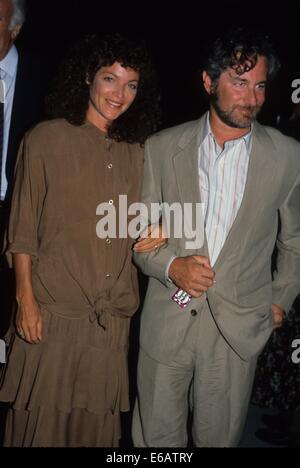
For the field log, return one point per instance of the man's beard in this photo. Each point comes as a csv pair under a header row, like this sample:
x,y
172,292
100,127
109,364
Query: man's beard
x,y
229,118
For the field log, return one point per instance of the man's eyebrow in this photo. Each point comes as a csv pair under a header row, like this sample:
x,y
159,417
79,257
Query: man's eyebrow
x,y
262,82
244,80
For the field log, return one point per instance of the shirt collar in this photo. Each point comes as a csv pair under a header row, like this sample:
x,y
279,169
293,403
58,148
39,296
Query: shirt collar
x,y
208,131
10,62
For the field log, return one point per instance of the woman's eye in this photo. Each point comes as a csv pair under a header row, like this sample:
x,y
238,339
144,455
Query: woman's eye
x,y
133,86
108,78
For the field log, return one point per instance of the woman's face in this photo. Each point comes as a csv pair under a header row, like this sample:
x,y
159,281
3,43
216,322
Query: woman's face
x,y
112,92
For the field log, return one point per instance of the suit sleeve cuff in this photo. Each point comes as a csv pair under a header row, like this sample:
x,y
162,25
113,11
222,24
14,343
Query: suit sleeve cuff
x,y
168,279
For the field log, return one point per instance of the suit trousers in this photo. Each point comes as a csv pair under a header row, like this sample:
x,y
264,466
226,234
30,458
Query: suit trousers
x,y
205,374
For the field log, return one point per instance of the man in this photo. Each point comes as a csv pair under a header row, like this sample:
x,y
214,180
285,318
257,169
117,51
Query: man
x,y
248,179
24,85
21,107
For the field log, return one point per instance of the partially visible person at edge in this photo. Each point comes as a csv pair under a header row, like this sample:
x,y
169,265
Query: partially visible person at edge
x,y
26,77
66,376
248,178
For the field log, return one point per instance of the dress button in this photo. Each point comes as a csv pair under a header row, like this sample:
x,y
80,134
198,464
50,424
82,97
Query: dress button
x,y
194,313
108,241
107,276
109,166
111,202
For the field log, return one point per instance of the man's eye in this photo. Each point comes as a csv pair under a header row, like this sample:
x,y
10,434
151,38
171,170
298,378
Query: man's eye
x,y
108,78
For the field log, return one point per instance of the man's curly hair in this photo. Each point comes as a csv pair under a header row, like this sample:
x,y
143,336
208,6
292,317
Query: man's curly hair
x,y
239,48
69,98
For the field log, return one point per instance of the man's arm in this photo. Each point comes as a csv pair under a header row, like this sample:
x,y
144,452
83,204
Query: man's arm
x,y
286,284
154,263
191,273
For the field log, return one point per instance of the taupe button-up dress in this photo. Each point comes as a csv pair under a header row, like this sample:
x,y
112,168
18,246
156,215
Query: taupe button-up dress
x,y
86,287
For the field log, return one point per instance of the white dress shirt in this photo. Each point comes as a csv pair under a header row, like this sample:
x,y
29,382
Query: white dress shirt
x,y
8,70
222,177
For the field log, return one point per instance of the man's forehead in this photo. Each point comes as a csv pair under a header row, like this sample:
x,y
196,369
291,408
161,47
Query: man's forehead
x,y
6,6
233,74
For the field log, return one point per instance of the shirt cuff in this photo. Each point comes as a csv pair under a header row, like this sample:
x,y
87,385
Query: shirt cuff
x,y
168,267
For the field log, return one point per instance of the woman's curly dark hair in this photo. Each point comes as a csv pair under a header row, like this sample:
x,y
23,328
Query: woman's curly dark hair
x,y
239,48
70,96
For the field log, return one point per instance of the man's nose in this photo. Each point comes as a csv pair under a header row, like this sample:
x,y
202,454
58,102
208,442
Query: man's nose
x,y
252,97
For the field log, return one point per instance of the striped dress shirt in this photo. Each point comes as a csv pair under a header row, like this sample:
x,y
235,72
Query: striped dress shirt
x,y
8,67
222,177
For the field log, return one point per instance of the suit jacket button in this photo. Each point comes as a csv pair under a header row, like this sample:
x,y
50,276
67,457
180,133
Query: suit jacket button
x,y
194,312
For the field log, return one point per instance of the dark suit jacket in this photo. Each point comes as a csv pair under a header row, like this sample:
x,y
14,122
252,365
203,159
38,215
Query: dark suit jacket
x,y
33,76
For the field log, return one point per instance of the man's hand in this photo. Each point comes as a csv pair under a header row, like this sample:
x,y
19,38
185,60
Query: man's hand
x,y
29,320
278,316
152,238
192,274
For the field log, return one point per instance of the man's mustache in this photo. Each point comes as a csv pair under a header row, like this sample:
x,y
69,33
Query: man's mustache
x,y
251,109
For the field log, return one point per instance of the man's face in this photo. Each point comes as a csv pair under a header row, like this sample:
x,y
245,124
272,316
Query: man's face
x,y
6,36
237,99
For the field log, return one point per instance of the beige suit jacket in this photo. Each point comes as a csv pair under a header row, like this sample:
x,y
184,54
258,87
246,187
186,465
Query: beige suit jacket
x,y
241,299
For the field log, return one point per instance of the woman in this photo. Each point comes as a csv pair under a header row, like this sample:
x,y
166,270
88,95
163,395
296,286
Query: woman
x,y
67,372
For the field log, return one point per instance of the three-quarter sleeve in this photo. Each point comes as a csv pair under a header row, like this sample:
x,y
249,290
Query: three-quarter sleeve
x,y
28,198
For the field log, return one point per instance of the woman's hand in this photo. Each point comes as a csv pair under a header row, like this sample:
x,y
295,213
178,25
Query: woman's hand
x,y
29,320
152,238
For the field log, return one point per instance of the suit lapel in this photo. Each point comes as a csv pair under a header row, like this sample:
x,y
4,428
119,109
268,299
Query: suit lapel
x,y
258,183
32,80
186,165
19,109
187,173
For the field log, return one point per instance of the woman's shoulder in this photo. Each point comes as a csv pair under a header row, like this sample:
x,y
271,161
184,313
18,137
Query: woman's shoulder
x,y
50,128
48,140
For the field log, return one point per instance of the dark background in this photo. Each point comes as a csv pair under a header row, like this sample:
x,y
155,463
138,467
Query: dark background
x,y
176,34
